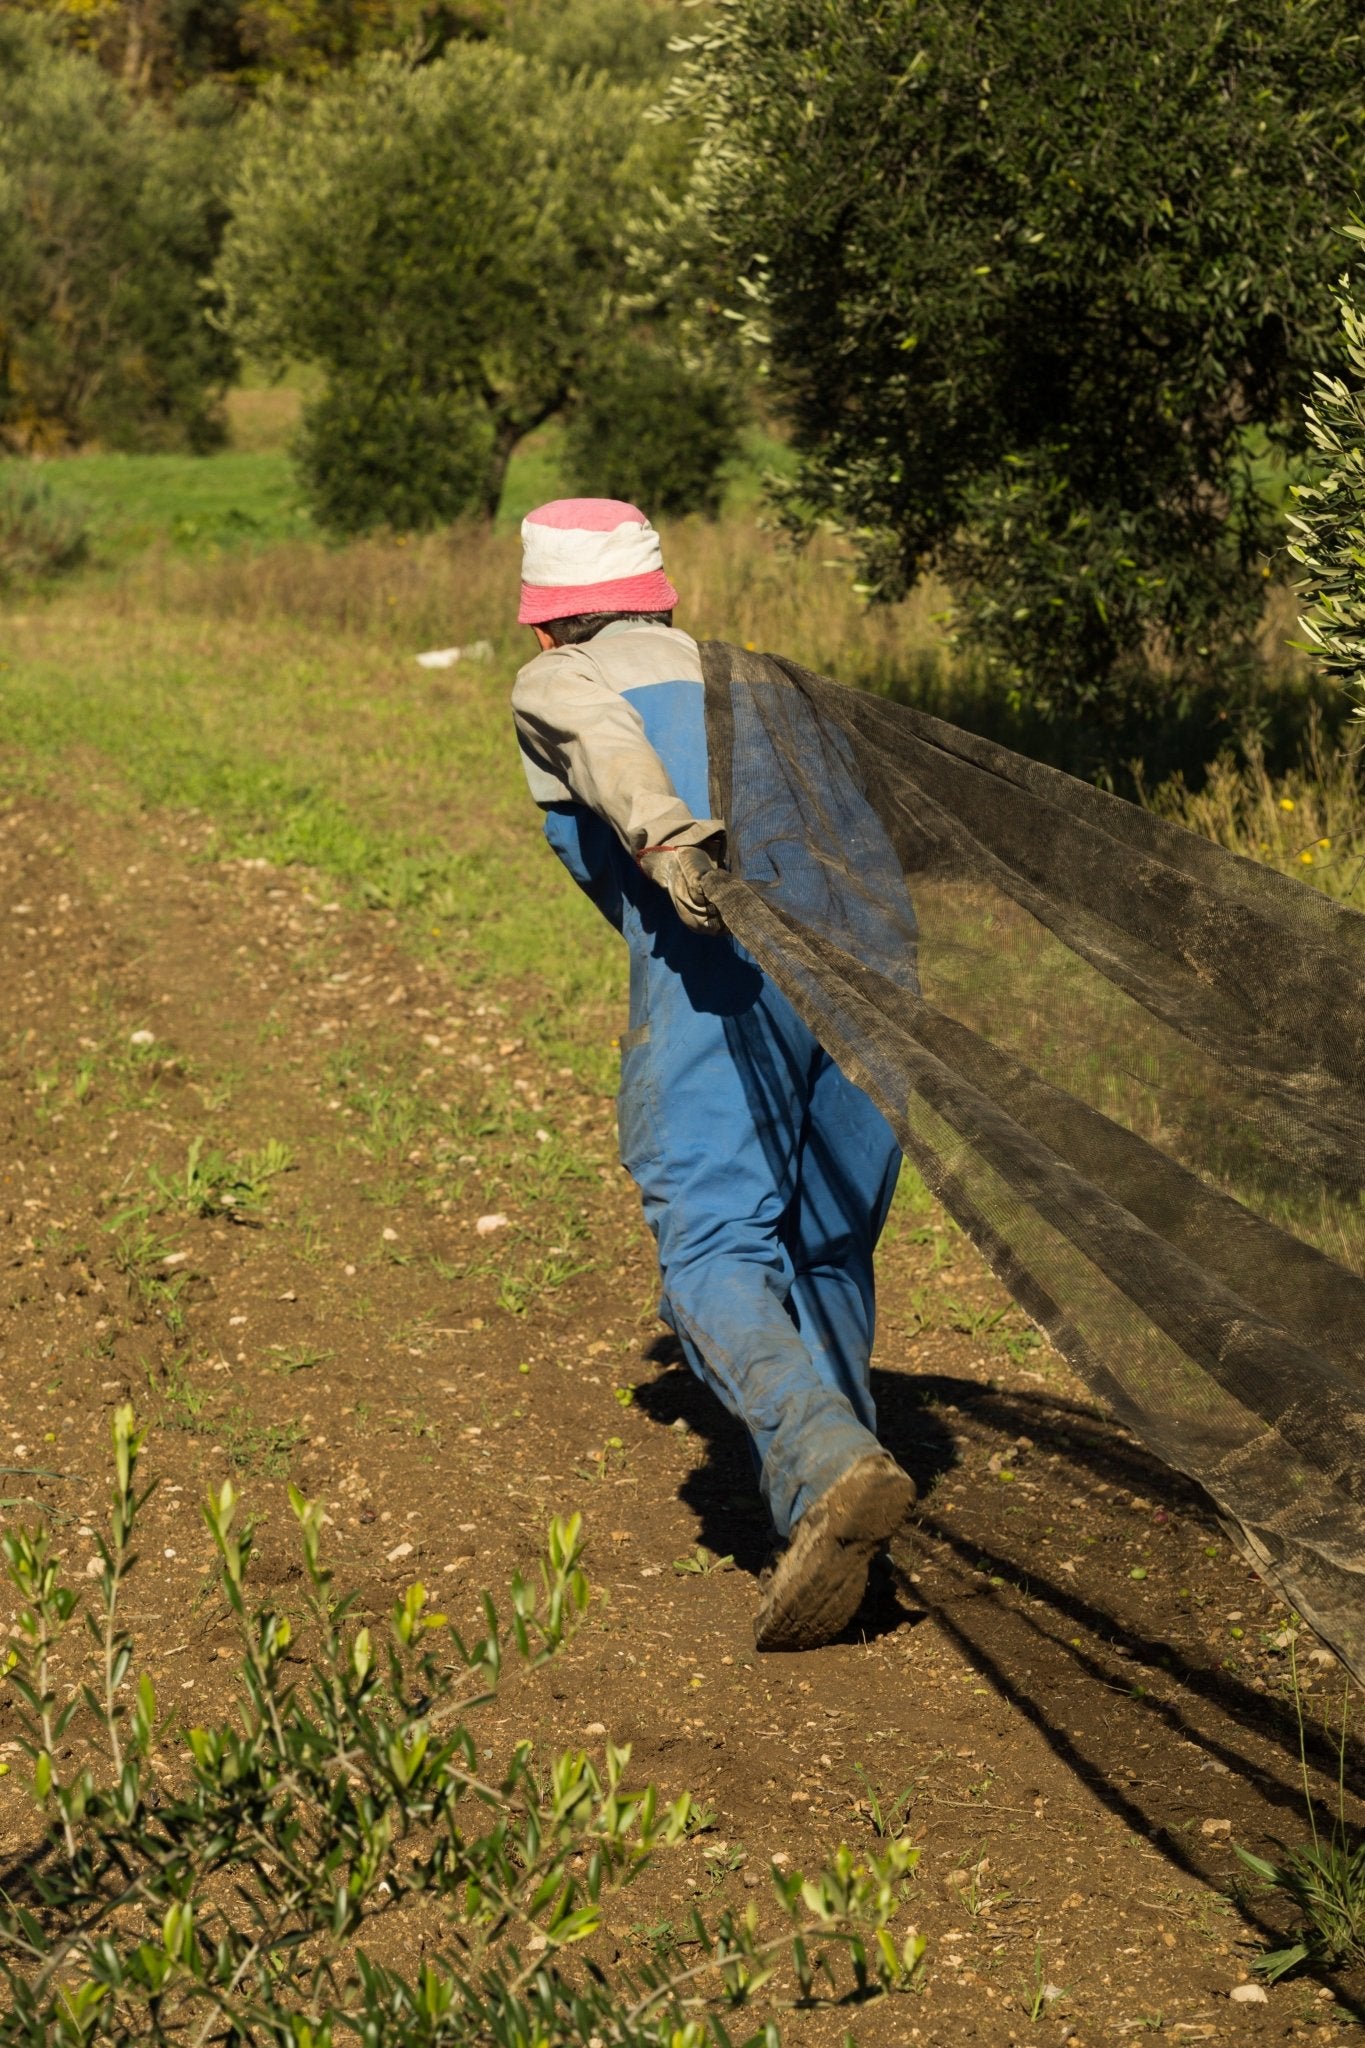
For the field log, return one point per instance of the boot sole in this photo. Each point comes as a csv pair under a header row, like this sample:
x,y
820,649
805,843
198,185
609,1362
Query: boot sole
x,y
821,1577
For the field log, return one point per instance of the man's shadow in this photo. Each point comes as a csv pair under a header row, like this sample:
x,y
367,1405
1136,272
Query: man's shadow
x,y
1057,1651
723,1492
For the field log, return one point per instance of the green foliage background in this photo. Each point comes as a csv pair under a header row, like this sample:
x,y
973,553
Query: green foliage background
x,y
1039,291
1057,364
162,46
652,428
110,213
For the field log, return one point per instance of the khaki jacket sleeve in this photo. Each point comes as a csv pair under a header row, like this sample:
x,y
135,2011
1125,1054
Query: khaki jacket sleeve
x,y
589,739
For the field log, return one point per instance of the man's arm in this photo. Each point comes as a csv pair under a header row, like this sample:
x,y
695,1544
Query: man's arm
x,y
586,735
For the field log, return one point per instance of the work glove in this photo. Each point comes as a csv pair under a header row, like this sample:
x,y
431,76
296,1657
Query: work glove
x,y
682,871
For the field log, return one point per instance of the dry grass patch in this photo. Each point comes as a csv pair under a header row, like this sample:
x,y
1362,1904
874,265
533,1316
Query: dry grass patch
x,y
738,582
1309,823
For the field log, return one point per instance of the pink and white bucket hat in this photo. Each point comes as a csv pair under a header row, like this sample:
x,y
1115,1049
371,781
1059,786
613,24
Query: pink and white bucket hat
x,y
590,555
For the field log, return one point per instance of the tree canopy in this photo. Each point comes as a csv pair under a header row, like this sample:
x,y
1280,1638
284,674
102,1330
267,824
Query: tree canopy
x,y
442,242
624,39
110,213
1039,290
163,46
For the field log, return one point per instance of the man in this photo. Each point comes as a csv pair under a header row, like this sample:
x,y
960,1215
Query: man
x,y
765,1175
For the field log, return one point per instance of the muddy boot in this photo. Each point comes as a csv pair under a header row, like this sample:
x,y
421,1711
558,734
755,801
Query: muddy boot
x,y
814,1589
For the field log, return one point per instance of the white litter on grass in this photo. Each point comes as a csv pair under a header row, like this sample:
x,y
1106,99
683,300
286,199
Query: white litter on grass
x,y
446,657
142,1038
486,1225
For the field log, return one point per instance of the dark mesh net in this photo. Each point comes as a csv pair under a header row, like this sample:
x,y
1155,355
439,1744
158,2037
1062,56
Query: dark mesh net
x,y
1128,1062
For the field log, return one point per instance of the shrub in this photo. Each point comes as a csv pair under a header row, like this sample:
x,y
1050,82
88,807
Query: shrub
x,y
40,533
401,458
110,213
226,1891
652,430
1325,1883
1058,357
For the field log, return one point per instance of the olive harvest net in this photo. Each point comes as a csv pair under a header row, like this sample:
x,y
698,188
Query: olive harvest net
x,y
1129,1063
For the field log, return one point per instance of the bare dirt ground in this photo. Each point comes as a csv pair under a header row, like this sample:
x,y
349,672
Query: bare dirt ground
x,y
1069,1681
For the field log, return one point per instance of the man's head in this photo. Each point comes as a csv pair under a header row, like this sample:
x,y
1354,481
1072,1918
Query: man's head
x,y
587,562
587,625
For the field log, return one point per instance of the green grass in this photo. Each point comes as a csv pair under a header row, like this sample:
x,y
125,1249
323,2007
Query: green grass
x,y
409,805
760,454
272,689
183,501
533,475
248,494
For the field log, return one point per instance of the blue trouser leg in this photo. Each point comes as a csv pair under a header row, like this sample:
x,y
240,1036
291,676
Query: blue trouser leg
x,y
765,1215
848,1168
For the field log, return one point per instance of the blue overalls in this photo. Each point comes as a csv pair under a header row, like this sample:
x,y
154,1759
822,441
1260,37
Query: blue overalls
x,y
766,1176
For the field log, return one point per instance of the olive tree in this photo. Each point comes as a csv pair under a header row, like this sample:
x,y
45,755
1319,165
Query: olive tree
x,y
1040,291
110,215
441,241
1328,526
